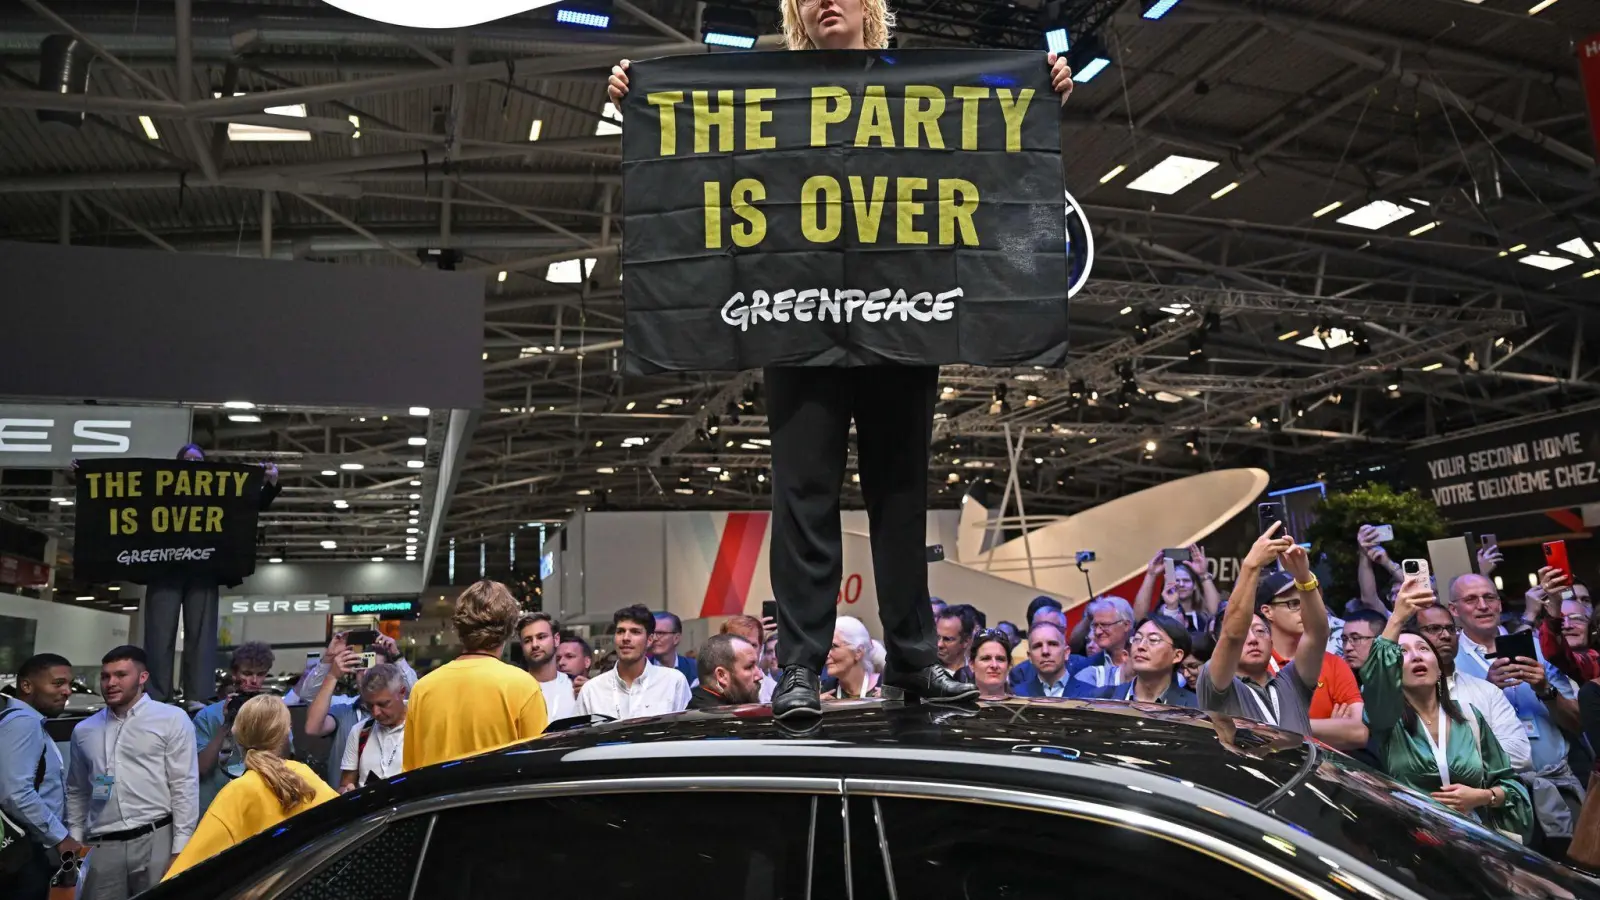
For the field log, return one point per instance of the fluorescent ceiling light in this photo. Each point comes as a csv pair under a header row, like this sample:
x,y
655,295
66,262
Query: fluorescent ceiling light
x,y
416,483
1433,367
1375,215
1327,209
1107,177
417,441
149,128
566,271
609,117
244,417
414,463
86,598
1591,273
1540,7
113,587
238,404
1422,229
1518,248
584,492
1337,337
724,39
534,130
1577,248
412,531
434,14
129,608
377,559
1224,191
583,17
241,131
1055,40
1159,8
420,410
1091,69
330,545
275,559
352,467
1545,261
1172,175
416,496
606,470
411,540
341,504
355,121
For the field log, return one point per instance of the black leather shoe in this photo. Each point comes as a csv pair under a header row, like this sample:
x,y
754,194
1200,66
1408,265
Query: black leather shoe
x,y
796,694
932,683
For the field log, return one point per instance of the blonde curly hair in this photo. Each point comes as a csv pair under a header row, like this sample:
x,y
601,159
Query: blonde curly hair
x,y
877,21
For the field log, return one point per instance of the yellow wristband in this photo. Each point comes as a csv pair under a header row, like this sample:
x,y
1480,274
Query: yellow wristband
x,y
1308,586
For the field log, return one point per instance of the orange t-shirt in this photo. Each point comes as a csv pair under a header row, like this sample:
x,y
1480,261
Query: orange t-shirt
x,y
1337,684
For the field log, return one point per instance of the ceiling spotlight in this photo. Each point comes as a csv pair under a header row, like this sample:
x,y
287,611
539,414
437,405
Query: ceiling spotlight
x,y
416,483
238,404
414,464
330,545
1197,346
417,441
416,497
352,467
411,540
1359,340
420,410
329,473
1149,446
275,559
1392,385
377,559
999,405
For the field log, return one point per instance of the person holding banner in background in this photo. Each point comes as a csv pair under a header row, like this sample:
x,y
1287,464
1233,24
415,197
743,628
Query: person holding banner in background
x,y
810,410
196,596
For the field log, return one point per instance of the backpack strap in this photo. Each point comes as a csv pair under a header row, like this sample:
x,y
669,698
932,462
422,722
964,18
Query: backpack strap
x,y
38,770
361,739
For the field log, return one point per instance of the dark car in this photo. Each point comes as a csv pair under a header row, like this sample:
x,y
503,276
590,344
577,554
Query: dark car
x,y
1040,799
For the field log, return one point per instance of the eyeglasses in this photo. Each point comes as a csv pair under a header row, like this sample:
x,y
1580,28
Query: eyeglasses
x,y
1105,626
1359,639
1479,599
1575,620
1438,630
1292,604
1148,640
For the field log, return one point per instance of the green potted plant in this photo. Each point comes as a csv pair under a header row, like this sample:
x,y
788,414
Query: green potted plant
x,y
1340,515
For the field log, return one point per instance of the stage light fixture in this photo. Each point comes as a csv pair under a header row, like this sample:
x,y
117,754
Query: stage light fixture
x,y
1088,58
1155,9
1392,385
1147,320
723,26
592,14
1197,346
1359,340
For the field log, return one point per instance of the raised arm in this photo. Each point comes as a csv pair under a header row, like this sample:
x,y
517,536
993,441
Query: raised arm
x,y
1313,647
1235,626
1208,582
1144,600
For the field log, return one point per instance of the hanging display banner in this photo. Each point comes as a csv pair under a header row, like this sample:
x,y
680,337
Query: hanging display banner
x,y
51,437
1589,68
844,208
1523,469
138,519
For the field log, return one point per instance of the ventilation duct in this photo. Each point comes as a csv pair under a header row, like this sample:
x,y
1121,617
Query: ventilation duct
x,y
63,69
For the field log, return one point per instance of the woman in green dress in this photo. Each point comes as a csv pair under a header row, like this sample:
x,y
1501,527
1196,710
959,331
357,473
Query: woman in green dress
x,y
1424,739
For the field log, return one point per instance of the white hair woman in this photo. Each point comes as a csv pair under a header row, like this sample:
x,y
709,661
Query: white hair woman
x,y
850,661
809,413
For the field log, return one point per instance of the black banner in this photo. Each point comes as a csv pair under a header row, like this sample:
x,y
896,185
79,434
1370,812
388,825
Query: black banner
x,y
1530,468
843,208
138,519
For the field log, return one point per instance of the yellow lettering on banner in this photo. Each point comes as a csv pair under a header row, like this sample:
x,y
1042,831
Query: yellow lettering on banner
x,y
158,520
907,208
755,116
214,519
958,200
1013,111
666,104
181,488
969,97
163,481
753,230
830,105
93,479
868,210
922,119
243,479
202,482
706,118
713,197
823,228
873,124
129,521
133,484
114,484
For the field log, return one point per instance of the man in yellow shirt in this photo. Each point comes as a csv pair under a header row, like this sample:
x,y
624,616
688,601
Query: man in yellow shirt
x,y
476,702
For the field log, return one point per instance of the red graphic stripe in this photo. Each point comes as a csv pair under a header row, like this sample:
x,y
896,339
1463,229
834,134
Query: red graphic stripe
x,y
1567,519
737,552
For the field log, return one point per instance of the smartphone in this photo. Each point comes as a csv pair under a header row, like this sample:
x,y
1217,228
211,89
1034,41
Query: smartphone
x,y
1177,554
1384,533
1555,555
1513,645
935,553
1415,568
769,610
1267,513
1487,540
354,639
368,660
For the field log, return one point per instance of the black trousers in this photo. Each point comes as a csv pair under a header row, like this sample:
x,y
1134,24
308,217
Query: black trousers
x,y
809,412
33,881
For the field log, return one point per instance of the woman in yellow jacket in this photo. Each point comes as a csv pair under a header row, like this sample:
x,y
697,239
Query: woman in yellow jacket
x,y
272,788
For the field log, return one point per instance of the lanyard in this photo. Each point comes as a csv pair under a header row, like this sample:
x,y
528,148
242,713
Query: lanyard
x,y
1268,715
1440,747
379,732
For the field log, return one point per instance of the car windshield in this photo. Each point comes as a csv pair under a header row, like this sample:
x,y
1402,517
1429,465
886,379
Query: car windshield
x,y
1420,844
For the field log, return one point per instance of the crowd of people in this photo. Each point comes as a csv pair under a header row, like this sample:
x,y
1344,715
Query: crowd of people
x,y
1432,688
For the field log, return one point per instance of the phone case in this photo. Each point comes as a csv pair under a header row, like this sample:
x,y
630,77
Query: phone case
x,y
1555,554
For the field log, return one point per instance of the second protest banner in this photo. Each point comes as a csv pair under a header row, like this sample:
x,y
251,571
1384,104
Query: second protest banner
x,y
838,208
139,519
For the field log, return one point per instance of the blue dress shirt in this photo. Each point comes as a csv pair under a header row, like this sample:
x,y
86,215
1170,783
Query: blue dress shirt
x,y
22,741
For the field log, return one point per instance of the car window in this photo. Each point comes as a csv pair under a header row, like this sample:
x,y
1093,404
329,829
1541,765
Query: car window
x,y
721,845
942,849
381,867
1417,842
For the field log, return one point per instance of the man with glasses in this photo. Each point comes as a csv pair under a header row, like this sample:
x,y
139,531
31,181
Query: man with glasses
x,y
1110,624
1336,706
664,648
1545,702
1360,630
1438,628
1562,622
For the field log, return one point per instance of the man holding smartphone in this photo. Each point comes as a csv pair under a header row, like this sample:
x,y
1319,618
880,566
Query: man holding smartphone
x,y
1545,701
219,760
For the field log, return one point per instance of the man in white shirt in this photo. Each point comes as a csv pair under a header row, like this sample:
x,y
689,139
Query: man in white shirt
x,y
373,750
133,785
540,634
634,688
1438,628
